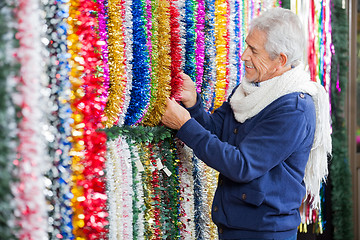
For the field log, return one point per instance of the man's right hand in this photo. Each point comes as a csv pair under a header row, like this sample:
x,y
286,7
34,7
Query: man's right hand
x,y
188,91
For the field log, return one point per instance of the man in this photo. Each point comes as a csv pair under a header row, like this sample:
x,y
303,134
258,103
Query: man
x,y
274,126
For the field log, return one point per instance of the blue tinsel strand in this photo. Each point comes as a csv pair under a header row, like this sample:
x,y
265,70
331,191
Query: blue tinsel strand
x,y
207,92
140,92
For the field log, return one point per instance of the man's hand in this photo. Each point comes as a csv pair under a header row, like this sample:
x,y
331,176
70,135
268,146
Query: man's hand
x,y
188,91
175,115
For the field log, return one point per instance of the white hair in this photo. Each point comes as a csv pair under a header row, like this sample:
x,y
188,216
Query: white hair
x,y
284,34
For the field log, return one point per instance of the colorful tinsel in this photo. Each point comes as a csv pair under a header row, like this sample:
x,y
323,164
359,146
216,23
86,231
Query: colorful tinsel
x,y
222,50
175,49
161,63
116,61
31,160
127,54
59,175
89,202
140,92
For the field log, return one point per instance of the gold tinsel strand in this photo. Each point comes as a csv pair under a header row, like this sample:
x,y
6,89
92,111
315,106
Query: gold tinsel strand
x,y
221,33
117,71
157,107
148,191
76,138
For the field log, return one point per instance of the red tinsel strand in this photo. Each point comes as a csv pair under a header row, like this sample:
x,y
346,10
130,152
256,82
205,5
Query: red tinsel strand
x,y
175,51
155,182
91,107
311,43
227,46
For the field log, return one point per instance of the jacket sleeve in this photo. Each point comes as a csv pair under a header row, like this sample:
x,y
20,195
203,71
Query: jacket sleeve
x,y
271,141
212,122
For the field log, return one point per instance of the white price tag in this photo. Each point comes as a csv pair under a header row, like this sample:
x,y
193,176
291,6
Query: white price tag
x,y
167,171
139,166
159,164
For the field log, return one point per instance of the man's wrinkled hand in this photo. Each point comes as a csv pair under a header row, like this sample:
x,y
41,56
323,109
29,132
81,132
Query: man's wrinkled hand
x,y
175,115
188,91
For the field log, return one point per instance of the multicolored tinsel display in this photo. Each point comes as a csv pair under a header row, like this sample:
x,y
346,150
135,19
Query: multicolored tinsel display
x,y
59,176
89,144
92,161
319,48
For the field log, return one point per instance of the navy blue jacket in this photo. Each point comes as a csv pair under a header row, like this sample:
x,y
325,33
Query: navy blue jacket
x,y
261,164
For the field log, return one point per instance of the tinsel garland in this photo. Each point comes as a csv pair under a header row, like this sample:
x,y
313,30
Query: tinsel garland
x,y
76,138
171,185
186,207
311,43
152,24
200,48
233,45
119,191
113,182
140,92
174,210
238,43
222,51
103,38
31,160
190,61
182,28
319,61
340,176
59,192
175,49
128,40
199,197
160,88
208,86
160,180
116,61
243,33
138,192
125,181
155,181
211,184
8,71
149,26
89,202
149,215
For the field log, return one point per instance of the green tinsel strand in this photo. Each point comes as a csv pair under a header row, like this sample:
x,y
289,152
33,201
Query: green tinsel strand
x,y
171,189
147,192
135,197
140,134
8,67
341,194
285,4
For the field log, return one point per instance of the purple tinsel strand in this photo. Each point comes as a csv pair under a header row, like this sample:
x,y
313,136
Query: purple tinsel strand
x,y
104,47
199,51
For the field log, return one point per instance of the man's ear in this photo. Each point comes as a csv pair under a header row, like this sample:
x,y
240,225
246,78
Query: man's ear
x,y
282,59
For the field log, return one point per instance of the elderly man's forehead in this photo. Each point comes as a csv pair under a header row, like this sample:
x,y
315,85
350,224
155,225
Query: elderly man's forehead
x,y
255,37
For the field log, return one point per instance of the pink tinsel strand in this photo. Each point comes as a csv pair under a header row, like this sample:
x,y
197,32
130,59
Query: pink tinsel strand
x,y
104,47
200,47
29,200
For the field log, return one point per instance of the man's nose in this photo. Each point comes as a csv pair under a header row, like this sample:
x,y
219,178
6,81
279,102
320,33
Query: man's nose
x,y
245,55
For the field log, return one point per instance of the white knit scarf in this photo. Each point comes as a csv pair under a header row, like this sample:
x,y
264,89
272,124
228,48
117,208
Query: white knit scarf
x,y
248,100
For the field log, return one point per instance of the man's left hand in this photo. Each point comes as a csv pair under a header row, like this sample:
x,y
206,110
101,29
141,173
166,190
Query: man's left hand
x,y
175,115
